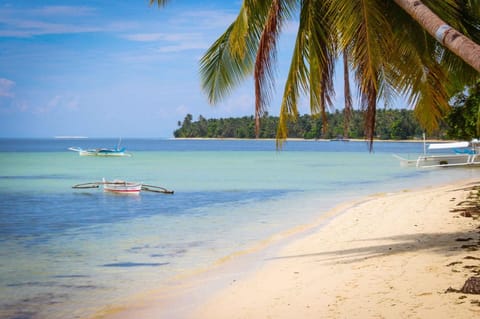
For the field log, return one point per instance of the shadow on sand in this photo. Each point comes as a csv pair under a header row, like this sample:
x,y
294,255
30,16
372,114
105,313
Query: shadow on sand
x,y
440,243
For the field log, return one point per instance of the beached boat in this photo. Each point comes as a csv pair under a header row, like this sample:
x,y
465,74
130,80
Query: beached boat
x,y
123,187
446,155
100,151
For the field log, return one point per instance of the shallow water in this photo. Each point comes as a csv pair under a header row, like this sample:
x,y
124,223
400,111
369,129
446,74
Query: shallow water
x,y
68,253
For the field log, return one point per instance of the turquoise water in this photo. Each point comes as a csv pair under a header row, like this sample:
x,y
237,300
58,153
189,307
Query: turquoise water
x,y
67,253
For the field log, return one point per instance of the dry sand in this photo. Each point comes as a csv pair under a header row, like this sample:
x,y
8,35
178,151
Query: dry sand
x,y
391,256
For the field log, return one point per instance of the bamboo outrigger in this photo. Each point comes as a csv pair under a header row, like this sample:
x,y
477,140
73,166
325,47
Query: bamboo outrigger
x,y
123,187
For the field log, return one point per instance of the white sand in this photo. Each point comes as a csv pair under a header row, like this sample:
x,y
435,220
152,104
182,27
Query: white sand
x,y
387,257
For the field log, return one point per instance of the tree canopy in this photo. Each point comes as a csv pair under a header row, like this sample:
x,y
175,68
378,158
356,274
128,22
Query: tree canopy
x,y
463,120
390,47
391,125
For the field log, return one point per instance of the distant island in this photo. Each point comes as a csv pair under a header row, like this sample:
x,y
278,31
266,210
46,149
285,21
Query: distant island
x,y
391,124
70,137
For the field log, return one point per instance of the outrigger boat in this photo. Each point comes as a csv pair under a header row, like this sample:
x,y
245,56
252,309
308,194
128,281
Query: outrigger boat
x,y
117,151
100,151
123,187
464,154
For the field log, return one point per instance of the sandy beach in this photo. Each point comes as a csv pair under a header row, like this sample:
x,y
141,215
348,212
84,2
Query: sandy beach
x,y
387,256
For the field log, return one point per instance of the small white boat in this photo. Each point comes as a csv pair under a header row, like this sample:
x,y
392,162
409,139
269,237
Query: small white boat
x,y
112,152
100,151
121,187
436,155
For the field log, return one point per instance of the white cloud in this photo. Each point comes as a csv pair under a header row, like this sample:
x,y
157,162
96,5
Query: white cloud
x,y
182,110
22,106
29,28
64,10
145,37
155,37
237,105
6,87
25,23
171,42
208,19
183,47
64,19
49,106
70,103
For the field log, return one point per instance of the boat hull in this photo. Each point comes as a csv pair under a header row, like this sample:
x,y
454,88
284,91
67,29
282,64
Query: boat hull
x,y
427,161
100,153
122,187
447,160
104,152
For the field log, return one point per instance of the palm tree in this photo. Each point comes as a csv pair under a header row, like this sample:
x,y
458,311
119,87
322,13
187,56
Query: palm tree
x,y
389,54
348,108
455,41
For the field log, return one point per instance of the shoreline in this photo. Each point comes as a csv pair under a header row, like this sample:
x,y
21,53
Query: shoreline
x,y
293,139
359,257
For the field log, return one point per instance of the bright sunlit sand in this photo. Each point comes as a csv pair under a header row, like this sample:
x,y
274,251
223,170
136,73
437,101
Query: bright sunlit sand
x,y
391,256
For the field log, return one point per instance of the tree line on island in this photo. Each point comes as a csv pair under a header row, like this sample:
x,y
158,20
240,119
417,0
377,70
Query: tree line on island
x,y
392,124
461,122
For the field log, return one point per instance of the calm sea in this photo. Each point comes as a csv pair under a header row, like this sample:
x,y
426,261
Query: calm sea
x,y
66,253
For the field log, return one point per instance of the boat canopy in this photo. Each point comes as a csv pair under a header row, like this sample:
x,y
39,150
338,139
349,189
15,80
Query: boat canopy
x,y
442,146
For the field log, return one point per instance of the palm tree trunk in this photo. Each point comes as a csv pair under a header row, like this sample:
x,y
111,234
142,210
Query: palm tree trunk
x,y
347,111
453,40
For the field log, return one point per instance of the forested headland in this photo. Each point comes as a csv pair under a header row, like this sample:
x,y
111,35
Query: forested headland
x,y
462,122
390,125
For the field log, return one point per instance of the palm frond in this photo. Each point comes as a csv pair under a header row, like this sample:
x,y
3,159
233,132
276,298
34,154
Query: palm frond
x,y
420,77
248,24
220,71
278,11
426,72
311,69
432,103
297,79
387,51
322,54
231,57
366,31
473,6
464,16
266,57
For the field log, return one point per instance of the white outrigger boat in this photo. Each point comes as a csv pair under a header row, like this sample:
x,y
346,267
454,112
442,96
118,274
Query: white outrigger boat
x,y
123,187
461,154
100,151
117,151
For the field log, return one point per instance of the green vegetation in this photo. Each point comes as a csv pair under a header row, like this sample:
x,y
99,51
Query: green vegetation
x,y
391,124
389,47
386,45
464,119
462,122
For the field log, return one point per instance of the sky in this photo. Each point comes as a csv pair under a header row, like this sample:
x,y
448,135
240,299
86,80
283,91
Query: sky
x,y
105,68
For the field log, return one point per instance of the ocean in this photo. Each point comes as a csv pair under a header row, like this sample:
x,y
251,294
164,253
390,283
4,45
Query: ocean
x,y
67,253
